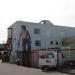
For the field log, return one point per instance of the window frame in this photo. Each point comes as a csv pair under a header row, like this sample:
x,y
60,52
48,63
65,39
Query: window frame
x,y
36,30
37,42
51,42
57,42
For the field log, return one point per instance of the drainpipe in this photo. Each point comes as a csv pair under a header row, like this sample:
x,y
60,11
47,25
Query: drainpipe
x,y
11,37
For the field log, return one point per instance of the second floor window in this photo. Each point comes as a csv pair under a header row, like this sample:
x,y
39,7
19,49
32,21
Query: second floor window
x,y
37,31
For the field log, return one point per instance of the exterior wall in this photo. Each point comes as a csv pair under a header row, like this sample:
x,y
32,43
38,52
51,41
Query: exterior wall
x,y
48,32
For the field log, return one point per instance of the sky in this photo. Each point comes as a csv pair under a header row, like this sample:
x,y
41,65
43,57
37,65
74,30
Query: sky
x,y
59,12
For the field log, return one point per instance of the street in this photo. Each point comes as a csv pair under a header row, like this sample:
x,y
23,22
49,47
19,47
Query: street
x,y
10,69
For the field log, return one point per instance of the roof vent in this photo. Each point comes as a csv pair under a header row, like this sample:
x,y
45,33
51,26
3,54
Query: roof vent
x,y
45,22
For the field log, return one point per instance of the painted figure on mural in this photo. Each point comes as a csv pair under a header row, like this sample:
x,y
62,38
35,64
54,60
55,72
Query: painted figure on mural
x,y
26,39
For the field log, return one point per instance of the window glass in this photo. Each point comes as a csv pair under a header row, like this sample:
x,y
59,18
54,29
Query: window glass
x,y
37,31
48,56
37,43
62,42
42,56
51,42
56,42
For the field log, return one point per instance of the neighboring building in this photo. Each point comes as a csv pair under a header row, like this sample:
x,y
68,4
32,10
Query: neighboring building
x,y
43,35
68,48
2,47
69,41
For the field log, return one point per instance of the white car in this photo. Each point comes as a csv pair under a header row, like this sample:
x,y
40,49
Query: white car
x,y
49,59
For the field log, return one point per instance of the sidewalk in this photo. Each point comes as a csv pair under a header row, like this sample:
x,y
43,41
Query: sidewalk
x,y
72,71
67,70
11,69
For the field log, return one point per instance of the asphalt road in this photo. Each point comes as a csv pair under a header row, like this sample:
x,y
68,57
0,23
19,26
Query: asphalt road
x,y
10,69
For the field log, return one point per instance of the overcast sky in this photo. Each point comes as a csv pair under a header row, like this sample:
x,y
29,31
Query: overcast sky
x,y
59,12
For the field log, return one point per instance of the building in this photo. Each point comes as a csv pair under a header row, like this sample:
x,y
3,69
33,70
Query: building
x,y
43,35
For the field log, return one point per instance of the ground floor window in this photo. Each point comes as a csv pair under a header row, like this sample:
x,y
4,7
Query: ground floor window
x,y
37,43
51,42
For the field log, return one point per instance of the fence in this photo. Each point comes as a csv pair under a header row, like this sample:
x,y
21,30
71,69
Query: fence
x,y
68,54
31,59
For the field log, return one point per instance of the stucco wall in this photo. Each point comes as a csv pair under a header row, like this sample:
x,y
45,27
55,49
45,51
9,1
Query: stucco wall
x,y
48,32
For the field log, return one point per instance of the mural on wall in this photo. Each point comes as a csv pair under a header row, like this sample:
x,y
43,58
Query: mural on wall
x,y
26,38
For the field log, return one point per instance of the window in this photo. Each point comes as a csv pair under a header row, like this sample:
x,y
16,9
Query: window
x,y
48,56
43,22
42,56
37,31
37,43
56,42
62,42
51,42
